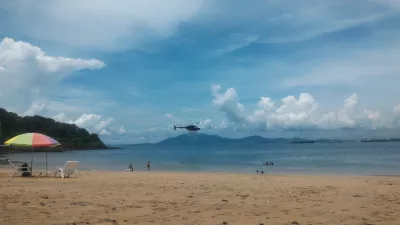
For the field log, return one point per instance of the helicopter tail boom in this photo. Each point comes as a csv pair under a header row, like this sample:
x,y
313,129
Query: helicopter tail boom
x,y
178,127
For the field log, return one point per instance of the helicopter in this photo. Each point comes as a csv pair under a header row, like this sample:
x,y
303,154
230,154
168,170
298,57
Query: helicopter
x,y
191,128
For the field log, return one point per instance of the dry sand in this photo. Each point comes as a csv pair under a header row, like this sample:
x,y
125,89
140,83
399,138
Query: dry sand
x,y
194,198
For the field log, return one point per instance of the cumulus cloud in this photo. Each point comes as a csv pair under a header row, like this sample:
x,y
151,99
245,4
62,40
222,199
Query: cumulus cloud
x,y
28,74
121,130
373,115
60,117
228,102
94,123
294,112
36,108
207,124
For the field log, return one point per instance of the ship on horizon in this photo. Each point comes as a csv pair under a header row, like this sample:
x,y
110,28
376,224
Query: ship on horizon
x,y
302,141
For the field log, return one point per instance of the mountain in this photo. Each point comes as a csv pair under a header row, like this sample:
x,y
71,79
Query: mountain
x,y
69,135
215,140
201,139
195,139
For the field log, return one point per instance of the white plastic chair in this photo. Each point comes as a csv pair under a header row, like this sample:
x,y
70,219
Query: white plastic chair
x,y
69,169
18,169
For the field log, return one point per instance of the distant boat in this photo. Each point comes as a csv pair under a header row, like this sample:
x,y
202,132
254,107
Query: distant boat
x,y
335,141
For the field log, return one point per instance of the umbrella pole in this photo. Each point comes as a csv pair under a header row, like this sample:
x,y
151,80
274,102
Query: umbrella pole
x,y
32,163
46,164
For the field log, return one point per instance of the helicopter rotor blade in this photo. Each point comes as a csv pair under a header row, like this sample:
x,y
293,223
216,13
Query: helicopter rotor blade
x,y
200,122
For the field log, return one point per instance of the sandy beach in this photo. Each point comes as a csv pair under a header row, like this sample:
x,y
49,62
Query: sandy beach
x,y
195,198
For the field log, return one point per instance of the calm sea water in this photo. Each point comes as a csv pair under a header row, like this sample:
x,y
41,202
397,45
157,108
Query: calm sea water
x,y
319,158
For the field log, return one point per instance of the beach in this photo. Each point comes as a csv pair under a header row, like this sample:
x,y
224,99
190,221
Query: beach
x,y
101,197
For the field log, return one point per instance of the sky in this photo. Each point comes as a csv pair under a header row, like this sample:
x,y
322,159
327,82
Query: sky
x,y
130,69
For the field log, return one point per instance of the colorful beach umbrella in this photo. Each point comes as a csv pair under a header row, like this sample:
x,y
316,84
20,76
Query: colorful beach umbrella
x,y
33,140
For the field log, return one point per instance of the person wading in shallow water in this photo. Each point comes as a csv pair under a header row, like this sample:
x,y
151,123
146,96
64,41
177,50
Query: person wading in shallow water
x,y
148,165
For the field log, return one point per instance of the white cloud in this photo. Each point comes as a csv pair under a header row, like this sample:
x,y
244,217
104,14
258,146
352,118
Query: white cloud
x,y
28,74
36,108
228,102
266,104
104,132
295,113
238,43
373,115
121,130
60,117
99,24
94,123
117,129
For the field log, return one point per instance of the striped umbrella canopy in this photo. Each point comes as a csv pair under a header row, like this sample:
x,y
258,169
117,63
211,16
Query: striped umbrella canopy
x,y
33,140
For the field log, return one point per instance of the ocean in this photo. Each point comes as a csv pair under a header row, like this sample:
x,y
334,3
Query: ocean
x,y
352,158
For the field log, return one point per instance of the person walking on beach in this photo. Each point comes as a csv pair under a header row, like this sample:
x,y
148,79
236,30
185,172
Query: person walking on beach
x,y
148,165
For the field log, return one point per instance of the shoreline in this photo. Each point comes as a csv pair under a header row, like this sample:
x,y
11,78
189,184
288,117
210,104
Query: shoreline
x,y
267,172
242,173
108,197
7,150
195,173
223,173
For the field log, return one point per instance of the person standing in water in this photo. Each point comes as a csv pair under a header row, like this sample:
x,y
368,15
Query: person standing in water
x,y
148,165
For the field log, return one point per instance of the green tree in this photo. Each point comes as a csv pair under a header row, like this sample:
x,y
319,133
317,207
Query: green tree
x,y
69,135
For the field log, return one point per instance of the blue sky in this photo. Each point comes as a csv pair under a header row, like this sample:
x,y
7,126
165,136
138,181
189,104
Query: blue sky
x,y
128,70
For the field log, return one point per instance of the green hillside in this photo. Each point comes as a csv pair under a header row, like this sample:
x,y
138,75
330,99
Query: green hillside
x,y
69,135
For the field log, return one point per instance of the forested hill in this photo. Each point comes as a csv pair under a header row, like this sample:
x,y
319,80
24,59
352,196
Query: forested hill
x,y
69,135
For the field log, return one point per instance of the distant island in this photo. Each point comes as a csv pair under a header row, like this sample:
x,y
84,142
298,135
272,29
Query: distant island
x,y
70,136
380,140
207,140
215,140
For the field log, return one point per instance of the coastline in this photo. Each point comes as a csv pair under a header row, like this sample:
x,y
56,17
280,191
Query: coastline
x,y
6,149
108,197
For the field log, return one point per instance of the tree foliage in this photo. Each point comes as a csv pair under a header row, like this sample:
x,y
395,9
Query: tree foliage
x,y
69,135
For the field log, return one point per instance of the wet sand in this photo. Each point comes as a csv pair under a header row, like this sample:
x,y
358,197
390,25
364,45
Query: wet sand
x,y
196,198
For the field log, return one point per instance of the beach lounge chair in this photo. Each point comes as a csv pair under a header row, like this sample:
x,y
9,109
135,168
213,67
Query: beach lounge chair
x,y
24,170
130,168
69,169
